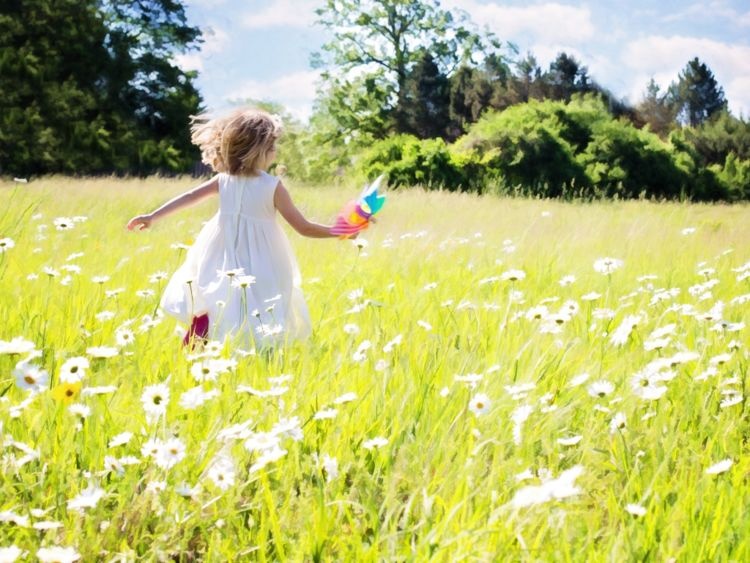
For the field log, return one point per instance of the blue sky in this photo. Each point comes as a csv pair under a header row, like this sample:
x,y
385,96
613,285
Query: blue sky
x,y
261,49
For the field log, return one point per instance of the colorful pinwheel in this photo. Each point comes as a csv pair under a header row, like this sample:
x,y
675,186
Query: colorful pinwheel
x,y
355,216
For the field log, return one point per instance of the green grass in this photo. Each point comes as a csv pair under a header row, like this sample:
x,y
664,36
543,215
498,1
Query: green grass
x,y
443,487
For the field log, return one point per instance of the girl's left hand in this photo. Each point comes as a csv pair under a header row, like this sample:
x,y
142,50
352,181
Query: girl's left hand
x,y
140,222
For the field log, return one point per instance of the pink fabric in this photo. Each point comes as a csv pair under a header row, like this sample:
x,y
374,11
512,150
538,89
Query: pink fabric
x,y
198,329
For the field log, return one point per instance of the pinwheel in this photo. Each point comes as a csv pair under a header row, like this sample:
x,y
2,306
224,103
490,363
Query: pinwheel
x,y
355,215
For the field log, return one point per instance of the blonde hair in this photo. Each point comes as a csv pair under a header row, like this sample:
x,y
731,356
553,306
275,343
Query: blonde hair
x,y
237,143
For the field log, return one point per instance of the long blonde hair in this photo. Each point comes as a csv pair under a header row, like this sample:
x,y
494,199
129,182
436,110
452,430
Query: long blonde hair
x,y
238,143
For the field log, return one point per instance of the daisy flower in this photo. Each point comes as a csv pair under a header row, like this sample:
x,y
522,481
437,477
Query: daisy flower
x,y
74,369
30,377
479,404
170,453
155,399
607,265
57,554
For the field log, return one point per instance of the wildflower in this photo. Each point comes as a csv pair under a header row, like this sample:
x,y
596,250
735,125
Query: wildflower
x,y
519,416
268,456
592,296
221,472
345,398
388,348
513,275
170,453
186,491
579,380
124,336
259,441
120,439
195,397
600,389
607,265
102,351
13,518
330,467
360,354
567,280
479,404
155,399
63,223
80,410
621,333
66,391
158,277
325,414
6,244
571,441
360,243
18,346
687,231
113,465
87,498
618,423
351,329
635,509
243,282
151,447
288,427
425,325
57,554
731,398
100,279
562,487
30,377
74,369
720,467
377,442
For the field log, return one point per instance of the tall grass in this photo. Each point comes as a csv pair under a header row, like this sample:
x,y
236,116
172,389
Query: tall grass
x,y
470,404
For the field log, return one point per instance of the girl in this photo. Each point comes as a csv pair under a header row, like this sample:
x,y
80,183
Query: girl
x,y
240,276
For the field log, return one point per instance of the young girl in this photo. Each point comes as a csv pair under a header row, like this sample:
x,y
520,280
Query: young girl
x,y
240,276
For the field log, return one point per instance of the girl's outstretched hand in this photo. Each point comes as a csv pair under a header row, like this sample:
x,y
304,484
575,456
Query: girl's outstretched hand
x,y
140,222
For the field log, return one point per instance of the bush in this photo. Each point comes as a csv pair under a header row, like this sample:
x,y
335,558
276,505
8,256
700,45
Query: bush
x,y
408,161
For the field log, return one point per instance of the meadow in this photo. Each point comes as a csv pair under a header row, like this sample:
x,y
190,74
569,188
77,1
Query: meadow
x,y
488,379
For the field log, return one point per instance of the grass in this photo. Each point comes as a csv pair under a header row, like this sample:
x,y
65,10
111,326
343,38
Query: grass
x,y
446,484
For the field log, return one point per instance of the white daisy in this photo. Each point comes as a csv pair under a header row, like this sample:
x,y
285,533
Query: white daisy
x,y
171,452
30,377
720,467
479,404
377,442
74,369
57,554
155,399
87,498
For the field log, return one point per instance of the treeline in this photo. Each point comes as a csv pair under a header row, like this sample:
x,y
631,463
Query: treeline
x,y
417,93
408,89
89,87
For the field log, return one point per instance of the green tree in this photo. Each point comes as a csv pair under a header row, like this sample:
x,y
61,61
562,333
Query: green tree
x,y
655,110
88,87
426,100
696,95
390,35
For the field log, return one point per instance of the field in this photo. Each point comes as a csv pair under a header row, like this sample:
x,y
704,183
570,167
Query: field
x,y
488,379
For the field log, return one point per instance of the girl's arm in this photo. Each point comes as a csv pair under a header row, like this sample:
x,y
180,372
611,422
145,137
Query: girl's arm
x,y
211,187
283,202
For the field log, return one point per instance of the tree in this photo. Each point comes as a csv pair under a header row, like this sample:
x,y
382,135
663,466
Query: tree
x,y
425,103
566,76
390,35
696,95
655,110
89,87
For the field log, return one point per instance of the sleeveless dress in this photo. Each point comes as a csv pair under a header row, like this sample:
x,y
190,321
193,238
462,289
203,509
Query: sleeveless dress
x,y
243,235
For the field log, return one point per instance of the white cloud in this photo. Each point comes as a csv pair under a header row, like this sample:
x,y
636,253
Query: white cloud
x,y
664,58
295,91
215,40
282,13
550,21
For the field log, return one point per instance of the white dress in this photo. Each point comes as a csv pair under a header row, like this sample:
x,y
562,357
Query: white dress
x,y
243,234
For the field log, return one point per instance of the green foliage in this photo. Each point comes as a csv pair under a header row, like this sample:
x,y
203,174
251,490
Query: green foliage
x,y
735,175
697,95
409,161
426,100
89,87
390,35
554,149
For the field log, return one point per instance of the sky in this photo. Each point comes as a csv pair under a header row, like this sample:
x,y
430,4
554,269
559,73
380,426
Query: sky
x,y
261,49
